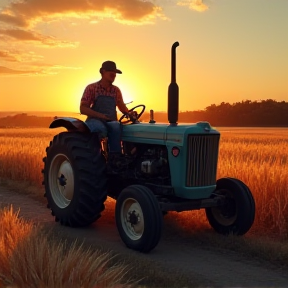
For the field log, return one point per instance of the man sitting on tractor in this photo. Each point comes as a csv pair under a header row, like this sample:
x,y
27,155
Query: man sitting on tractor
x,y
99,102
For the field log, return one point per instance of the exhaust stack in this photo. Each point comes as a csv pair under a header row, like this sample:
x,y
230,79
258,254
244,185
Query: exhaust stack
x,y
173,90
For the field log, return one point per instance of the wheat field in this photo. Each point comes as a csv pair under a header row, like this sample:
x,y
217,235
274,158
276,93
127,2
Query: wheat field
x,y
31,258
257,156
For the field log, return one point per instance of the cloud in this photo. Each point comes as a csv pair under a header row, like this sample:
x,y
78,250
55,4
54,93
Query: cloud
x,y
26,35
20,25
19,19
25,13
23,62
9,71
196,5
12,20
8,56
19,56
19,34
36,69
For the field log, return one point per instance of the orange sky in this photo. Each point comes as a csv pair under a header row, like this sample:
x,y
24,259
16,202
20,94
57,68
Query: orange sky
x,y
229,51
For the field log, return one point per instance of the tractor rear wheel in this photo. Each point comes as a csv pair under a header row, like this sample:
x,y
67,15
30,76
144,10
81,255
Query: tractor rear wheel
x,y
237,213
139,218
75,179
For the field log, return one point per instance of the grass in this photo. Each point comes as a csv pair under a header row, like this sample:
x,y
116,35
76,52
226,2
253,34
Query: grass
x,y
21,153
265,249
33,256
258,157
29,257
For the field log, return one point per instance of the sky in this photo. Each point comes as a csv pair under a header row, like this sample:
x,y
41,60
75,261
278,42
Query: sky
x,y
230,51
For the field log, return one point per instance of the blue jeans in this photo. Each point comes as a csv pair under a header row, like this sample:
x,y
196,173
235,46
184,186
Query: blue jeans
x,y
112,130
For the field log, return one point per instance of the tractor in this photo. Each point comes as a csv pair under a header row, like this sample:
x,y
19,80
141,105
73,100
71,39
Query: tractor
x,y
163,167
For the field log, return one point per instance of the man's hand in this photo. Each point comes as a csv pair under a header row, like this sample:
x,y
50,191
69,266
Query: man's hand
x,y
86,110
132,115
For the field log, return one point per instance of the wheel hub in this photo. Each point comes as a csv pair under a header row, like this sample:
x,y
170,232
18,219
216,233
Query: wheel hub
x,y
229,208
226,214
133,218
62,180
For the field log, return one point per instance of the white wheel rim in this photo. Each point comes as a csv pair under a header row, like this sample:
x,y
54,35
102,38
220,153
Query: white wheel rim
x,y
132,219
61,180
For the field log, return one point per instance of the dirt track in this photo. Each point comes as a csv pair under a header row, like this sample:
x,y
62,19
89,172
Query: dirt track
x,y
210,267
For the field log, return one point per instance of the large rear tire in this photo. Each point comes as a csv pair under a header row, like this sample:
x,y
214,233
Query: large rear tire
x,y
139,218
237,214
74,178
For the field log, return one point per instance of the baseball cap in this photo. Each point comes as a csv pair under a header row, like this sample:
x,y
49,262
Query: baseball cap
x,y
110,66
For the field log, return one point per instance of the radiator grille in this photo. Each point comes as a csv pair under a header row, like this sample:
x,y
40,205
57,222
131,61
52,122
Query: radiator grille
x,y
202,159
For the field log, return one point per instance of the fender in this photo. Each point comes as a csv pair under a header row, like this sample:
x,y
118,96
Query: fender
x,y
70,123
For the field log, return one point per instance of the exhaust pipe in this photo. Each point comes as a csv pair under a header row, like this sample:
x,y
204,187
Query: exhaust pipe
x,y
173,90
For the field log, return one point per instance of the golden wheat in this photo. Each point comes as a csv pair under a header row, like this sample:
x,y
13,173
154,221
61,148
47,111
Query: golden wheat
x,y
29,258
260,159
22,151
257,156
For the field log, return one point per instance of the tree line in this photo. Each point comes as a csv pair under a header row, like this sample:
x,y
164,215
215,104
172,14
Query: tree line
x,y
264,113
23,120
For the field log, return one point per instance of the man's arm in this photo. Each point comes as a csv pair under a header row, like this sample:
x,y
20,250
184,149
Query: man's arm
x,y
86,101
86,110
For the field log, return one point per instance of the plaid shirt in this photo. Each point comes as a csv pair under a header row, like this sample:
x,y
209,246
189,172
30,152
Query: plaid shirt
x,y
92,91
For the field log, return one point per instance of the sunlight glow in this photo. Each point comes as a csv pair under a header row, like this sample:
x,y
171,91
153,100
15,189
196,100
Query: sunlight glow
x,y
50,51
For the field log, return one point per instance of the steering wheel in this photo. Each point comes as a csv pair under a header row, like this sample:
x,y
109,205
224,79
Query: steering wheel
x,y
133,119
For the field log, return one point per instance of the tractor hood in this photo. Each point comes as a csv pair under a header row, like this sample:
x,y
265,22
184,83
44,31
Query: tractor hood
x,y
162,133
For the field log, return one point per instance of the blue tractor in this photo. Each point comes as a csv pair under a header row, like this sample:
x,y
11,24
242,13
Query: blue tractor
x,y
163,167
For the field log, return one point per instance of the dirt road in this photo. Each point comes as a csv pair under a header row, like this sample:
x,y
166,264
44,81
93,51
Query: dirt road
x,y
210,267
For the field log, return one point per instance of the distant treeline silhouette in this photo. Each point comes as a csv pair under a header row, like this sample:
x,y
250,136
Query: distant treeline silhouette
x,y
23,120
264,113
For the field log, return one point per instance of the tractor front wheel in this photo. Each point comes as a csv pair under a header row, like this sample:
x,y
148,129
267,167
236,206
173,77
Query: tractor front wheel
x,y
139,218
237,212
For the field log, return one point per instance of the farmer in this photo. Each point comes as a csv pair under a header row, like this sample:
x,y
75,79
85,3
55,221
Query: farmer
x,y
99,102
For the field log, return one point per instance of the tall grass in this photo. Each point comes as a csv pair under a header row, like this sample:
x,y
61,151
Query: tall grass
x,y
29,258
258,157
22,151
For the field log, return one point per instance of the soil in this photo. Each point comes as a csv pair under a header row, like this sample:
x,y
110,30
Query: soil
x,y
202,266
